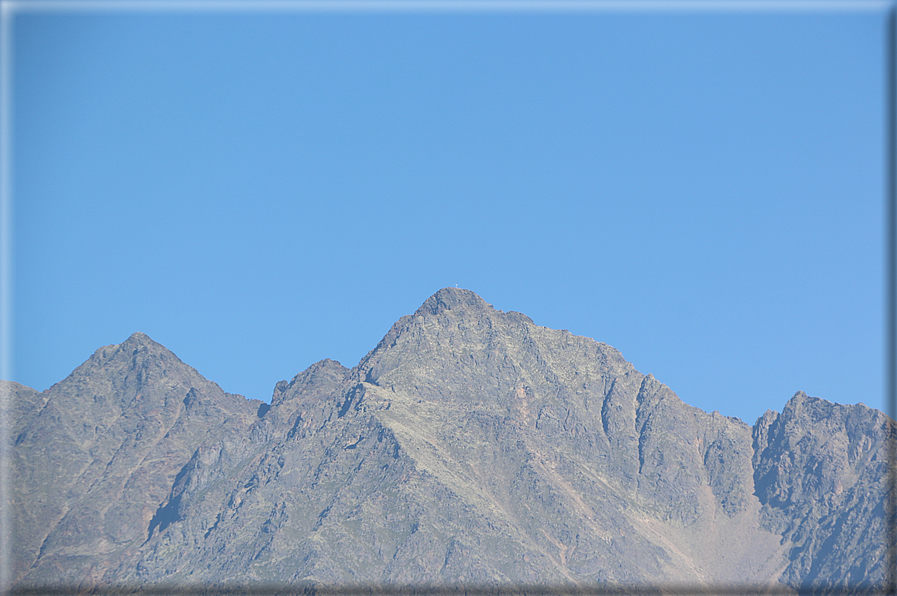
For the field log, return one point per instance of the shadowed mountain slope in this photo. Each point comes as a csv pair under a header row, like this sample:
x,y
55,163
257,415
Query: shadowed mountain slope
x,y
471,446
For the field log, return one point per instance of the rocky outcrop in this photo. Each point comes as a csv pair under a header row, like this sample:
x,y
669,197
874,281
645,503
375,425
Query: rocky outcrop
x,y
821,475
95,454
471,446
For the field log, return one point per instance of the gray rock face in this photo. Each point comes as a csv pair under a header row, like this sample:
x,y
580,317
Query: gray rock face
x,y
820,470
94,455
471,446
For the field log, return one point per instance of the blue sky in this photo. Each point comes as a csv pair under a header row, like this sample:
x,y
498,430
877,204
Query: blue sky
x,y
261,190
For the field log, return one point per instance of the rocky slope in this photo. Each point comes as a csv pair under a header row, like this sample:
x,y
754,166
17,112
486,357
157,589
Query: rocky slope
x,y
470,447
95,454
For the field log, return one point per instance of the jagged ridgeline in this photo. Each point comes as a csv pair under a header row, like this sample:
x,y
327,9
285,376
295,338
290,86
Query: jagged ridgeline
x,y
469,448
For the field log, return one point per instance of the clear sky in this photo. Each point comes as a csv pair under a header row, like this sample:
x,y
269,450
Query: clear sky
x,y
261,190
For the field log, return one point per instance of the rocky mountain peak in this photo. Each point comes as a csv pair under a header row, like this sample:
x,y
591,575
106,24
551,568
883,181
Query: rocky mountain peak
x,y
139,341
457,299
799,398
137,344
138,337
325,373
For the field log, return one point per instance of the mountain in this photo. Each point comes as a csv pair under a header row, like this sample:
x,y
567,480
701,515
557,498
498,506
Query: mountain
x,y
470,447
95,454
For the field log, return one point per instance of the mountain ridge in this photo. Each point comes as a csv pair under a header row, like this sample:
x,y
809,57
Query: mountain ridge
x,y
470,445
